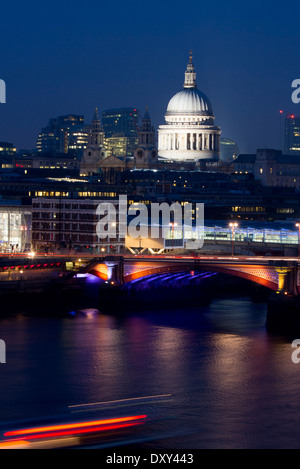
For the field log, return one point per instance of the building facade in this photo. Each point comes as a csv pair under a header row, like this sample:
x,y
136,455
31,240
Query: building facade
x,y
145,154
15,226
63,134
189,133
95,150
70,225
270,167
120,128
292,135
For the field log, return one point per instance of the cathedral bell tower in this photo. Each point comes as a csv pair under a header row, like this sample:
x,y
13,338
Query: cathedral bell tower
x,y
96,134
95,151
145,154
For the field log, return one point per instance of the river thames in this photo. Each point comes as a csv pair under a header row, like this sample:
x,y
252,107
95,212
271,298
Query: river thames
x,y
231,384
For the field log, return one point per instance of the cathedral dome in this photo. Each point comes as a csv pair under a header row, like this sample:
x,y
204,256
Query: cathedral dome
x,y
189,101
189,133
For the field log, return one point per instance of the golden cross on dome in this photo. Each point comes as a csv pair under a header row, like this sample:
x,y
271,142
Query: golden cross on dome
x,y
191,56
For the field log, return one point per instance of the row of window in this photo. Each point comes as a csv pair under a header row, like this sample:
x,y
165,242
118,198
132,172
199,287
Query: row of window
x,y
63,237
64,216
63,226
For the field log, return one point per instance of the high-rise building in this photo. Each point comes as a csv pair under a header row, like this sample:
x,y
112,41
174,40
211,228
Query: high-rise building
x,y
292,135
120,128
62,135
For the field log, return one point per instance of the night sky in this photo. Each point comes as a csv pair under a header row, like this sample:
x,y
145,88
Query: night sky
x,y
64,57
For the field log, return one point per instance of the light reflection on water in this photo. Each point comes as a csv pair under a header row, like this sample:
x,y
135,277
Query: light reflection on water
x,y
233,385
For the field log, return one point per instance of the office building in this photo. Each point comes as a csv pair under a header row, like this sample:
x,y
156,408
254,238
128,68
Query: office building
x,y
120,127
292,135
62,135
70,224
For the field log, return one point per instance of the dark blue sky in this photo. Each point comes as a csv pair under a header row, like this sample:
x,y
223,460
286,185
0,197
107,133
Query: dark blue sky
x,y
66,56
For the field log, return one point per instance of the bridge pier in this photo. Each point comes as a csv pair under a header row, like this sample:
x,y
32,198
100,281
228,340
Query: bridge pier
x,y
115,271
283,314
112,294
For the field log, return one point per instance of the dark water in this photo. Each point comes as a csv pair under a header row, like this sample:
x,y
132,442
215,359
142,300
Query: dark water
x,y
233,385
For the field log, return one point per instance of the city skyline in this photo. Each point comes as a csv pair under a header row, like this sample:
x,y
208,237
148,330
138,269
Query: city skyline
x,y
245,55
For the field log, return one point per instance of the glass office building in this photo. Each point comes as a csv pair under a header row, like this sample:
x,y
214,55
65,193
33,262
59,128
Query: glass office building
x,y
121,125
292,135
63,134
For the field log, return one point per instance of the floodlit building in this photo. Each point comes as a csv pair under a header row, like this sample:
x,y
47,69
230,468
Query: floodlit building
x,y
15,226
189,134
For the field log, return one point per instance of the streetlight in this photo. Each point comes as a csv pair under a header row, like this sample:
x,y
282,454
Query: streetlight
x,y
298,226
232,225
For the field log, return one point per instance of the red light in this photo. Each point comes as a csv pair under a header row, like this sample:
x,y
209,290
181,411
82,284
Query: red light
x,y
292,117
74,427
281,111
79,431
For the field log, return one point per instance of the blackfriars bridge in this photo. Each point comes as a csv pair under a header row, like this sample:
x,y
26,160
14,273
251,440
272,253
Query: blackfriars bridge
x,y
278,274
281,275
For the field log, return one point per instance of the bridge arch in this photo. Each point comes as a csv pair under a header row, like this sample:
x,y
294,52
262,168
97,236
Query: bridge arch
x,y
134,269
261,276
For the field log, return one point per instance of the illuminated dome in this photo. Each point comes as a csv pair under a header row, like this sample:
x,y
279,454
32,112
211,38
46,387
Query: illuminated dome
x,y
189,101
189,132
